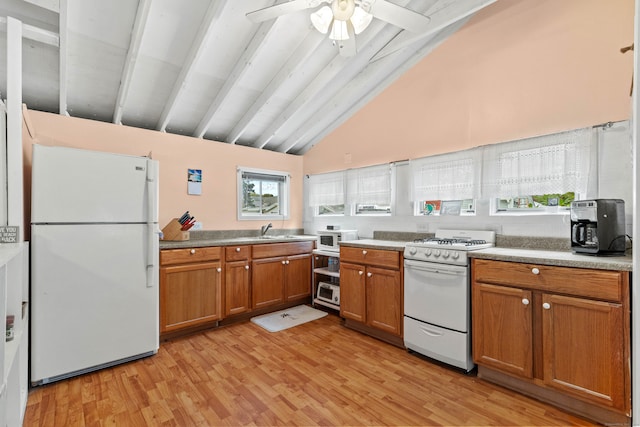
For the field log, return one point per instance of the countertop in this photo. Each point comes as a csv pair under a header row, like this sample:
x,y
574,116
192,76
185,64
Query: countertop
x,y
539,256
559,258
252,240
563,258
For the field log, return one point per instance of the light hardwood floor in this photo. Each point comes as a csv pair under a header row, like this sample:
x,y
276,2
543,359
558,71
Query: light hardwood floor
x,y
319,373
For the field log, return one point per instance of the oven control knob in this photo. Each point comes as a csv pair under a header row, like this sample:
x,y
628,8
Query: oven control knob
x,y
455,255
445,254
412,251
436,253
427,252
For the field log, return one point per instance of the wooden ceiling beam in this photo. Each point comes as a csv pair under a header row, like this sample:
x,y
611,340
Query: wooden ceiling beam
x,y
292,66
258,40
63,55
193,56
133,53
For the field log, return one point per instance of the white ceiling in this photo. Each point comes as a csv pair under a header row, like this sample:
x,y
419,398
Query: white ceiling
x,y
201,68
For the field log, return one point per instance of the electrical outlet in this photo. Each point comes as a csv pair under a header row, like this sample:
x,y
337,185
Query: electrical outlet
x,y
422,227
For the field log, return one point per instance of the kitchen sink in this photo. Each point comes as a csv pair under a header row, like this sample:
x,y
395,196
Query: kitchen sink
x,y
284,236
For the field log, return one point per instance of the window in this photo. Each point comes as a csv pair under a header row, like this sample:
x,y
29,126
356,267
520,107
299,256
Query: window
x,y
263,194
446,184
361,191
542,174
326,193
446,207
369,190
543,203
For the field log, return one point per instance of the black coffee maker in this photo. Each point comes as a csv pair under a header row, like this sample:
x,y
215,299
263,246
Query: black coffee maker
x,y
597,227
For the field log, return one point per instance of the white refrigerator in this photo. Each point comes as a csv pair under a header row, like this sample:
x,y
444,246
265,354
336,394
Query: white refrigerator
x,y
94,261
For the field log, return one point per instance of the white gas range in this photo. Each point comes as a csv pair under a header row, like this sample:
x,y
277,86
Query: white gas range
x,y
437,294
449,246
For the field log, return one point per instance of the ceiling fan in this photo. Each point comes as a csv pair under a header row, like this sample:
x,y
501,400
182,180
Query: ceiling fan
x,y
343,19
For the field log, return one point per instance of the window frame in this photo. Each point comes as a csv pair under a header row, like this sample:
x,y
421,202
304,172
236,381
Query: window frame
x,y
283,198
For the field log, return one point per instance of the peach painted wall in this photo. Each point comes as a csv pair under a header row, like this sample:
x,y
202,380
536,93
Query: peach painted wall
x,y
216,207
518,68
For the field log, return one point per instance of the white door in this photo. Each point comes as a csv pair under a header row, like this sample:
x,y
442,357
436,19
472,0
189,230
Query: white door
x,y
91,301
437,294
81,186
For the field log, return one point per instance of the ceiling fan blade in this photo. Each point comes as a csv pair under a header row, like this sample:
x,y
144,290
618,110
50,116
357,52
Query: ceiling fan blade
x,y
398,15
280,9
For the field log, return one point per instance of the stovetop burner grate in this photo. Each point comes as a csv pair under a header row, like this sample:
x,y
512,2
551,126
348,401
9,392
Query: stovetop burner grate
x,y
445,241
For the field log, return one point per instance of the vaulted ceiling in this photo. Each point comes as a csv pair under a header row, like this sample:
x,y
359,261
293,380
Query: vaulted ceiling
x,y
202,68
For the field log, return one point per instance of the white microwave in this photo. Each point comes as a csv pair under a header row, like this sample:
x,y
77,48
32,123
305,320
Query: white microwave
x,y
329,240
329,292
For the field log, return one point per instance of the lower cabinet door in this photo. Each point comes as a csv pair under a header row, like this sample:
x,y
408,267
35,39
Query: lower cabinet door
x,y
584,349
190,295
384,300
297,277
503,329
352,292
237,299
267,281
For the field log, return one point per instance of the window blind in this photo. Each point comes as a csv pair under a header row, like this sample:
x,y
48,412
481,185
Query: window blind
x,y
326,189
452,176
550,164
370,185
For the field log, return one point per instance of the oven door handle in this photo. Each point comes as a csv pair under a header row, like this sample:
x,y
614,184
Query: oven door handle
x,y
431,268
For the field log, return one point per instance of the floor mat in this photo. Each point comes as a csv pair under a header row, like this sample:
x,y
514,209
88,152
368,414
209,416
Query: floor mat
x,y
284,319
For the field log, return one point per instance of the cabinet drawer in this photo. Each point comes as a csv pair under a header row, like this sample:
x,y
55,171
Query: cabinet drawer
x,y
237,253
598,284
270,250
182,256
377,257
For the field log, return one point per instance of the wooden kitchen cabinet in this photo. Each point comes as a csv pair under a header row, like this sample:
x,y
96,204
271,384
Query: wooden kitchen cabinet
x,y
237,285
280,273
503,315
371,291
561,334
190,288
353,296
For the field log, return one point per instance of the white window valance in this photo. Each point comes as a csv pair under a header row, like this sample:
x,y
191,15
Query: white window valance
x,y
549,164
326,189
452,176
370,185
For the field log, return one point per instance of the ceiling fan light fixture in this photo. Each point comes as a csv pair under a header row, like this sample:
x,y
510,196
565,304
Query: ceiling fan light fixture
x,y
343,9
321,19
339,30
360,20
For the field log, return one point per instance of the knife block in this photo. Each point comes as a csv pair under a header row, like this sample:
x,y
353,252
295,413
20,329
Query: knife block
x,y
172,231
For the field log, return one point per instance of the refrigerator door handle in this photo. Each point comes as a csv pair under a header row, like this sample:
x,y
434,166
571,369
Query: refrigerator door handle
x,y
152,195
152,227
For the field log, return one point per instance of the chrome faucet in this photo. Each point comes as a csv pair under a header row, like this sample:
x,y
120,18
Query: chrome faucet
x,y
265,228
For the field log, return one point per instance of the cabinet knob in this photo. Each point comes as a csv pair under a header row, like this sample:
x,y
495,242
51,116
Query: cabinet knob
x,y
535,270
237,249
361,272
546,306
219,270
369,274
246,267
193,251
525,301
364,252
287,262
